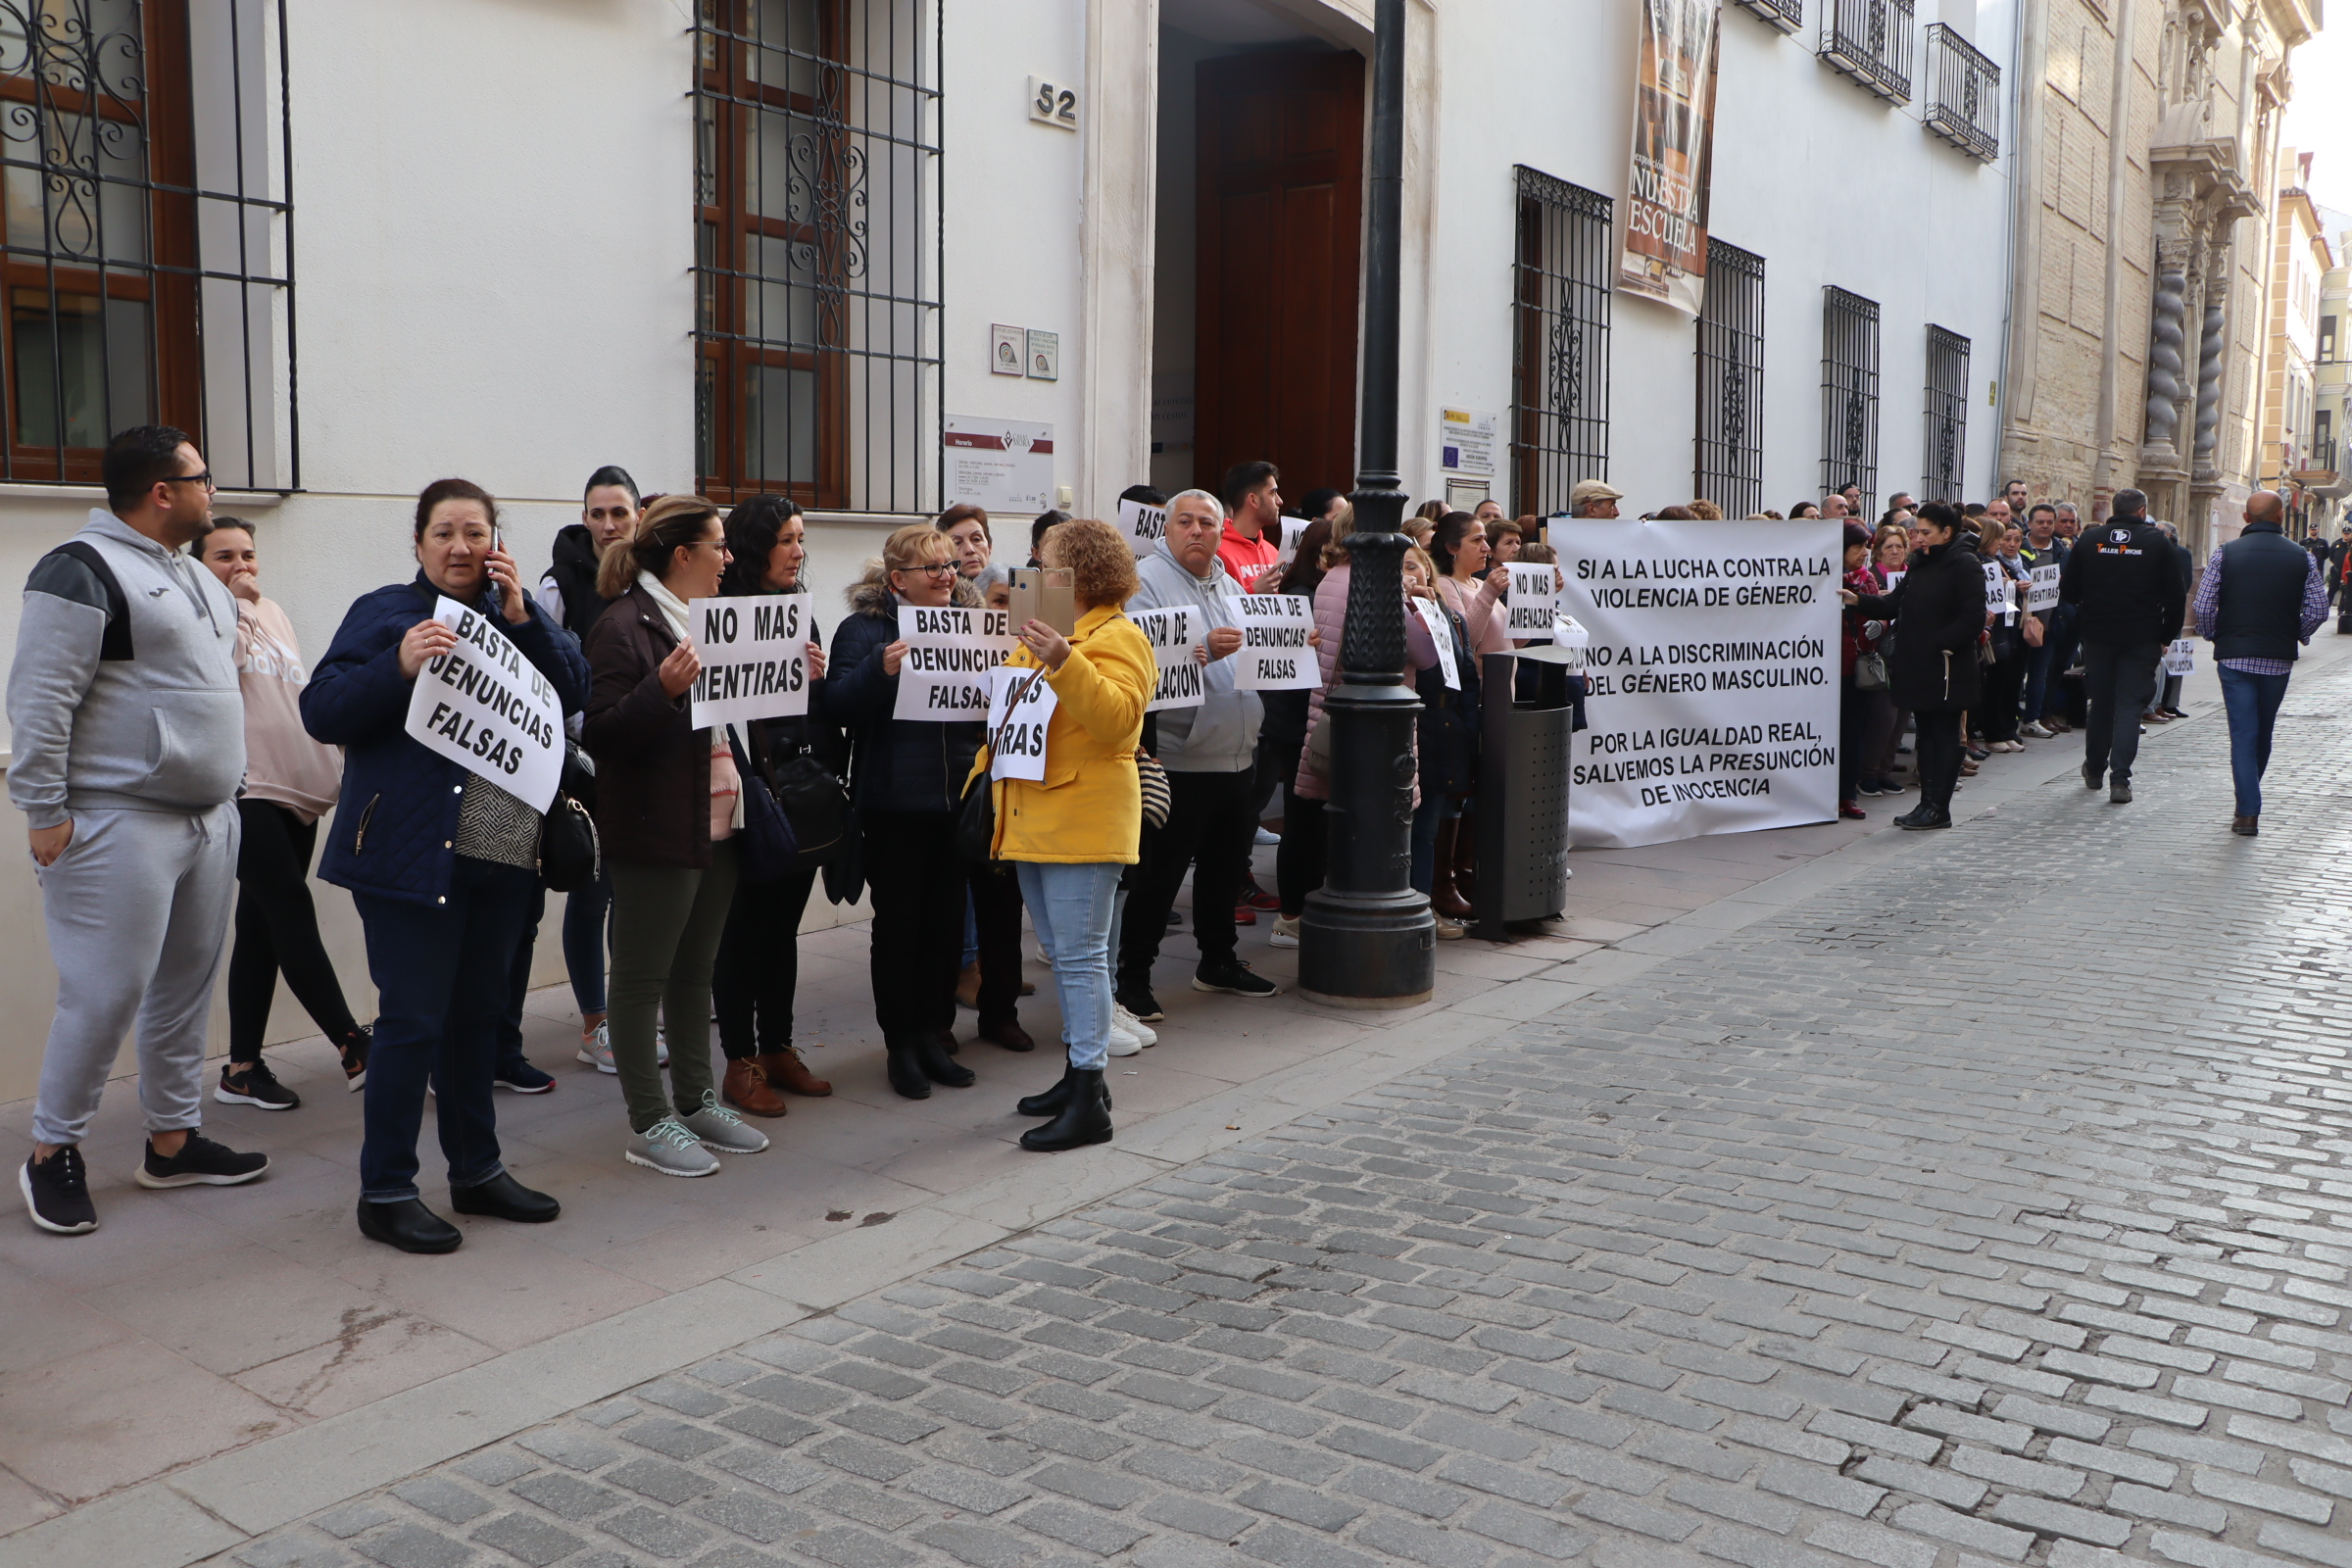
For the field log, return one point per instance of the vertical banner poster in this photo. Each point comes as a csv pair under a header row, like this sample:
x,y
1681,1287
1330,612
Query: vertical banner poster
x,y
488,710
1713,677
755,654
949,651
1173,633
1665,252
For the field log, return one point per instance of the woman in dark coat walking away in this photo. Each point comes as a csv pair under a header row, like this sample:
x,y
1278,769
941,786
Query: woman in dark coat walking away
x,y
1939,611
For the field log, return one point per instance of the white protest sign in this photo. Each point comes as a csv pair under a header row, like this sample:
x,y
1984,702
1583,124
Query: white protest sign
x,y
1996,588
1712,677
1293,529
1441,632
1894,580
949,650
1172,634
755,654
1535,600
1274,656
1020,746
488,710
1570,632
2181,657
1144,524
2043,592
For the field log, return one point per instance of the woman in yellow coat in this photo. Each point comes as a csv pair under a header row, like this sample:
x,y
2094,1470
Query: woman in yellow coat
x,y
1070,833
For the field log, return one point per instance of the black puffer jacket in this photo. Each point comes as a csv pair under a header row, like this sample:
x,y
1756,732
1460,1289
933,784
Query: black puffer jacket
x,y
1939,611
894,765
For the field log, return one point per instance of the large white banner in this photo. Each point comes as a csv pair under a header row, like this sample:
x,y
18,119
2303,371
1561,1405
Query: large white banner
x,y
1714,677
488,710
755,654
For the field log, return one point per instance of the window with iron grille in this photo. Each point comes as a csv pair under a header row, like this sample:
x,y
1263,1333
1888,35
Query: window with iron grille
x,y
817,252
1870,40
1964,95
1849,393
1946,447
1566,255
1786,16
1728,466
147,258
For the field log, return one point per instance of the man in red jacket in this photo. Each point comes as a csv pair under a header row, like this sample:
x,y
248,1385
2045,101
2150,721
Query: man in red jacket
x,y
1253,497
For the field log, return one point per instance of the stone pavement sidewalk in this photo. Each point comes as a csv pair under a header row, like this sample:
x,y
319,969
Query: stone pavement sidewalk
x,y
1701,1268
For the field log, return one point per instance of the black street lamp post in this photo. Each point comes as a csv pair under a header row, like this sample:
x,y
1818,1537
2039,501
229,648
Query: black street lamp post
x,y
1367,939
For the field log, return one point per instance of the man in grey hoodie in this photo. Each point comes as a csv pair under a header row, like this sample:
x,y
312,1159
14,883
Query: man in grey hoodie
x,y
129,753
1209,752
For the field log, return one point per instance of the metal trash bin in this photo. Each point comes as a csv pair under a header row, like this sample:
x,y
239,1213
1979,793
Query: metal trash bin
x,y
1523,790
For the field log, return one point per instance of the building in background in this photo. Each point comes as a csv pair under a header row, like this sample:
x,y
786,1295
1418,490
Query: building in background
x,y
2298,431
2332,380
2141,262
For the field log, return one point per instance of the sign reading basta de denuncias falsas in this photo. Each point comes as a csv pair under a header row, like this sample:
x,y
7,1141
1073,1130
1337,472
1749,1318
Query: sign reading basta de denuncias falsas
x,y
1713,672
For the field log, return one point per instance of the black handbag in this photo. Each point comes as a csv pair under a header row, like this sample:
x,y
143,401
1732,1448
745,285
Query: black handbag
x,y
813,804
976,820
570,851
769,848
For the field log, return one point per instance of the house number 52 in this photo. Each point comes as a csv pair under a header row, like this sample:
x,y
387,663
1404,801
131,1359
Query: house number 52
x,y
1052,104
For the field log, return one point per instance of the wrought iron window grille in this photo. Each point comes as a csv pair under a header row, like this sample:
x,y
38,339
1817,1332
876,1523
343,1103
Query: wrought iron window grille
x,y
1783,15
1849,392
148,235
1565,264
818,252
1871,41
1964,106
1727,457
1947,442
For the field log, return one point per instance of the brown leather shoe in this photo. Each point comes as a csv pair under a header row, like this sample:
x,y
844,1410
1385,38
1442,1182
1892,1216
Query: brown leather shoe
x,y
967,986
2245,826
784,1069
1010,1035
747,1090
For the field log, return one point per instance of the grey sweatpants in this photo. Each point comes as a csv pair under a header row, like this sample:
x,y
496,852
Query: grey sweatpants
x,y
138,909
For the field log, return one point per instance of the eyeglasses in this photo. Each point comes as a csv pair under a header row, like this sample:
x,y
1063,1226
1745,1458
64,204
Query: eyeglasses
x,y
935,568
205,480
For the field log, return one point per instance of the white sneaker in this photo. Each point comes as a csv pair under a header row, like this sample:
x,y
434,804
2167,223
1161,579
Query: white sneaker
x,y
1265,836
596,1051
1123,1044
1285,931
670,1148
1121,1018
662,1047
2035,732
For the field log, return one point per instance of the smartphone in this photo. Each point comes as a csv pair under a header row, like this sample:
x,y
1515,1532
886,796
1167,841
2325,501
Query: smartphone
x,y
1044,592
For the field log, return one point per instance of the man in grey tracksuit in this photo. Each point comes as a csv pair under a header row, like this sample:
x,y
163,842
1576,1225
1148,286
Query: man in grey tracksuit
x,y
128,752
1209,752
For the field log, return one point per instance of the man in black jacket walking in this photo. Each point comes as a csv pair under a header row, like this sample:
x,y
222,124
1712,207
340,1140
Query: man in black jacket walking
x,y
2129,598
2259,602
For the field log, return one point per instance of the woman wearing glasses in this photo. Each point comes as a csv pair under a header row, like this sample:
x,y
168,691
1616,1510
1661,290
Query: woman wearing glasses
x,y
905,782
668,804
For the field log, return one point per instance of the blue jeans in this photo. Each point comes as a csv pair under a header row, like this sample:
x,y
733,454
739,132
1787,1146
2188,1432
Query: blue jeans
x,y
441,975
2253,703
1426,818
1071,907
2037,677
585,913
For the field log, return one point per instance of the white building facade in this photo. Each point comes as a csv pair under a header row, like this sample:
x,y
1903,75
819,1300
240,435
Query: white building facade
x,y
746,245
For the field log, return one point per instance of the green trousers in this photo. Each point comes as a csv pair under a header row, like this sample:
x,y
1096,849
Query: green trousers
x,y
666,922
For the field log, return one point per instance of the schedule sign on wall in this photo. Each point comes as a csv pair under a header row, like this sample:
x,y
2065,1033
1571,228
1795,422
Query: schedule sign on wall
x,y
1713,672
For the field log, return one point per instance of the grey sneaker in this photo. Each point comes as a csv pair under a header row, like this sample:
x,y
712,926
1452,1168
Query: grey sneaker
x,y
721,1129
668,1147
596,1050
2119,792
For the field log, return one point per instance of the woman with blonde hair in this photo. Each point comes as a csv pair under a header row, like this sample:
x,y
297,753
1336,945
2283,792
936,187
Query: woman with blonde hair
x,y
1069,834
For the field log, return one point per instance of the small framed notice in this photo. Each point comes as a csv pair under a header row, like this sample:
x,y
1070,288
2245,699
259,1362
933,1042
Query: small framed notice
x,y
1045,356
1006,347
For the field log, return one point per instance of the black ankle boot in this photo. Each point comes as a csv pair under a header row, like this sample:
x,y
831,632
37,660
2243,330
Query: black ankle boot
x,y
1084,1119
1052,1100
934,1063
907,1074
408,1225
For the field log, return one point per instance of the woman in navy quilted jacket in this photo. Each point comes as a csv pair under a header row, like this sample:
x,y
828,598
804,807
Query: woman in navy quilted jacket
x,y
442,865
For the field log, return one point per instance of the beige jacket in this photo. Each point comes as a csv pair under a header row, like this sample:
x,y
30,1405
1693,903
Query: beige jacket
x,y
282,763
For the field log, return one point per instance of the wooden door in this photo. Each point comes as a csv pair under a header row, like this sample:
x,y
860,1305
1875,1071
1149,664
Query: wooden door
x,y
1280,234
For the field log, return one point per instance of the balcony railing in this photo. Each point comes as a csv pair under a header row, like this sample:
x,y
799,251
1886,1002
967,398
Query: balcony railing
x,y
1785,15
1964,106
1871,41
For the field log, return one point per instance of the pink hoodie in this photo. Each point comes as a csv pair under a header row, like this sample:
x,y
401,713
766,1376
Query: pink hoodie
x,y
282,763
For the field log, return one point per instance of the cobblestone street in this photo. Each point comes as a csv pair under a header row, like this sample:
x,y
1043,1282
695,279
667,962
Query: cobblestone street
x,y
1994,1205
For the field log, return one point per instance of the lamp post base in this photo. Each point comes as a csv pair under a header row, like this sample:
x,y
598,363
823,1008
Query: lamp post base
x,y
1376,950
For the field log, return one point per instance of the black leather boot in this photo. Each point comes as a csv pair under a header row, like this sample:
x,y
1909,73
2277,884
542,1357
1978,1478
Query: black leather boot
x,y
905,1072
1052,1100
1084,1119
936,1064
408,1225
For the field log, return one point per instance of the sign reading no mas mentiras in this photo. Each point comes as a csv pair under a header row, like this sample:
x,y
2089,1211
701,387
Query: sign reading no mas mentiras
x,y
1712,671
488,710
755,654
949,651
